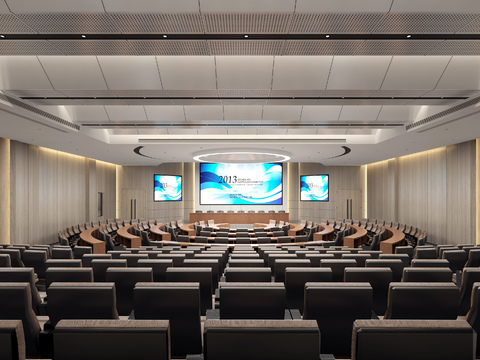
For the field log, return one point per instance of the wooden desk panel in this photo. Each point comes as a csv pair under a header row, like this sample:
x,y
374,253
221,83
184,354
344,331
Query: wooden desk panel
x,y
394,238
239,218
156,233
87,238
295,229
124,237
326,233
357,239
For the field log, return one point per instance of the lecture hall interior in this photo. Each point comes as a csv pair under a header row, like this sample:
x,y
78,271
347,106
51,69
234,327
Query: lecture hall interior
x,y
219,179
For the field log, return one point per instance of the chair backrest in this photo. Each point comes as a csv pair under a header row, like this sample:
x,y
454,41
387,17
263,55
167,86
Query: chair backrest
x,y
359,258
281,264
470,276
435,300
15,256
158,266
36,259
62,253
176,258
213,264
248,274
425,253
120,339
473,316
338,267
100,267
335,306
26,275
5,260
430,263
12,340
125,280
16,304
433,339
427,274
246,263
473,258
87,258
252,300
404,257
396,265
261,339
193,274
180,304
79,251
63,263
132,259
456,259
68,274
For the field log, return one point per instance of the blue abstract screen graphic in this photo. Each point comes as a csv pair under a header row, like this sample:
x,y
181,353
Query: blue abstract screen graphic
x,y
240,184
167,188
314,188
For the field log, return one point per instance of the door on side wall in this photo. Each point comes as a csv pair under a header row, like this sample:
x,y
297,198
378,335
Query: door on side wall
x,y
349,204
134,204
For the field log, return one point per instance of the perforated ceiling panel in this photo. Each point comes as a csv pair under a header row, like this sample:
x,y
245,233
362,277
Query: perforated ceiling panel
x,y
176,47
74,23
243,93
247,23
334,23
423,23
321,47
94,47
159,23
397,47
464,47
257,47
28,47
11,24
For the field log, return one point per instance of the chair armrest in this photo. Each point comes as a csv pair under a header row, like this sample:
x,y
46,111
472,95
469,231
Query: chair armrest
x,y
213,314
296,315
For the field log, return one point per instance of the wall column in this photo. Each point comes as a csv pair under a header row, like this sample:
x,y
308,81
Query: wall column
x,y
4,191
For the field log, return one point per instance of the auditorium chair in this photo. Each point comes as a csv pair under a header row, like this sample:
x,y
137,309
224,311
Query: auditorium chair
x,y
100,267
180,304
338,267
379,278
242,239
405,250
473,316
23,275
115,254
112,339
5,260
194,274
316,258
413,340
15,257
425,253
234,263
396,265
63,263
222,258
16,304
473,258
79,251
284,239
456,260
251,300
336,306
272,257
176,258
427,300
260,339
213,264
68,274
430,263
248,274
404,257
62,253
470,276
12,340
427,274
244,255
132,259
281,265
159,267
337,254
295,280
359,258
87,258
36,259
111,244
125,280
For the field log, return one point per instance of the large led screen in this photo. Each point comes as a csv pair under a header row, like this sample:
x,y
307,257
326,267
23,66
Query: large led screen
x,y
314,188
167,188
240,184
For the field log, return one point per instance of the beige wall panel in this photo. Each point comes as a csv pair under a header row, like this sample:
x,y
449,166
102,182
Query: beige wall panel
x,y
19,191
105,182
437,195
452,194
5,191
33,194
48,184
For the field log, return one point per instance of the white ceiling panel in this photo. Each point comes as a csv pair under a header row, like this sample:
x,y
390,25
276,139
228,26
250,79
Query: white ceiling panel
x,y
331,131
212,131
182,132
429,6
414,72
242,113
301,72
237,131
398,113
360,131
203,113
463,72
126,113
270,131
74,72
151,6
282,113
55,6
165,113
4,8
187,72
358,73
87,114
321,113
22,72
343,6
130,72
244,72
247,6
359,113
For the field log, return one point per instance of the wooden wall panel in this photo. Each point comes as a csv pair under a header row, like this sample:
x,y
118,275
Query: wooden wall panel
x,y
4,191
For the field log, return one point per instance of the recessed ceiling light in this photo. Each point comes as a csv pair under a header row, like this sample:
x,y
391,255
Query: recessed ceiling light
x,y
327,36
245,36
84,36
409,36
2,36
164,36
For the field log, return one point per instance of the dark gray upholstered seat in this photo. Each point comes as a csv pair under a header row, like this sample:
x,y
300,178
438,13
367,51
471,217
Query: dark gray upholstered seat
x,y
16,304
337,254
125,280
79,251
81,301
473,258
396,265
36,259
470,276
261,339
177,259
100,267
404,257
68,274
193,274
456,259
336,306
211,263
159,267
374,253
379,278
295,280
316,258
430,263
413,340
405,250
246,263
425,253
63,263
120,339
252,300
272,257
359,258
282,264
221,239
427,301
244,255
473,315
87,258
248,274
152,254
222,258
427,274
242,239
22,275
284,239
115,254
180,304
12,340
62,253
15,257
338,267
132,259
5,260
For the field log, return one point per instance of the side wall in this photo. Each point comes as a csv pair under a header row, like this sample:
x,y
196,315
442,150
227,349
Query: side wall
x,y
50,190
434,190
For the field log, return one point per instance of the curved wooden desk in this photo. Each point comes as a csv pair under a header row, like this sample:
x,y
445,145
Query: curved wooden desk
x,y
157,233
239,218
128,239
393,239
326,233
356,239
295,229
87,238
